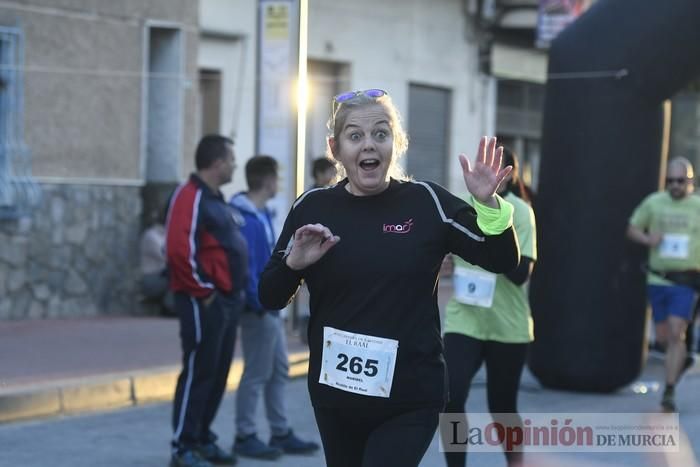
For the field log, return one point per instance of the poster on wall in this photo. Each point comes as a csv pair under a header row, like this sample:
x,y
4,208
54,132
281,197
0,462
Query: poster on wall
x,y
277,68
555,15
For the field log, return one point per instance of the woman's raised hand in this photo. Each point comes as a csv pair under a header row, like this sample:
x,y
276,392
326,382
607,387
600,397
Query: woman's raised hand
x,y
311,242
484,178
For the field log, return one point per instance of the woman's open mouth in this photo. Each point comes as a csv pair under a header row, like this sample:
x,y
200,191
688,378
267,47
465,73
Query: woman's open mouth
x,y
369,164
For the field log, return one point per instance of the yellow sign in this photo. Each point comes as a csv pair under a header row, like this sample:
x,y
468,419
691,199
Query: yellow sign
x,y
276,22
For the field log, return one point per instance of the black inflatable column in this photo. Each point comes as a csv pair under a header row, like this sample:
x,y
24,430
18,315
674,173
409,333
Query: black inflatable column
x,y
610,72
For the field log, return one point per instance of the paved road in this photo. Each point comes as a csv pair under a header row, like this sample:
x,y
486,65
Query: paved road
x,y
139,436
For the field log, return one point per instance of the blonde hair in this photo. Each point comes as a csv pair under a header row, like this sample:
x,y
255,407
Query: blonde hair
x,y
400,138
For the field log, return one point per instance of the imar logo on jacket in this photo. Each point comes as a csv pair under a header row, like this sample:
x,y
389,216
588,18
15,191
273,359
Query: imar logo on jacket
x,y
398,228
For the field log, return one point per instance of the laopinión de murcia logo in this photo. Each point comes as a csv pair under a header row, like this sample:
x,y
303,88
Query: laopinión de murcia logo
x,y
550,432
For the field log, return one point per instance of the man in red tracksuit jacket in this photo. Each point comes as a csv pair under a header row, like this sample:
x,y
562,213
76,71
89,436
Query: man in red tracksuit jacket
x,y
207,263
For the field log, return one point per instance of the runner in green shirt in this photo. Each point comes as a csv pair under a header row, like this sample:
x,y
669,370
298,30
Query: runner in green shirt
x,y
488,320
669,224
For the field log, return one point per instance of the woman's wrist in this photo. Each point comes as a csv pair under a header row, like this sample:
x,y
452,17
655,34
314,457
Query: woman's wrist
x,y
491,202
494,220
291,265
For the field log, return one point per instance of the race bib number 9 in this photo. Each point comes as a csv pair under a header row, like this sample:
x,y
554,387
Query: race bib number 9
x,y
358,363
474,287
675,246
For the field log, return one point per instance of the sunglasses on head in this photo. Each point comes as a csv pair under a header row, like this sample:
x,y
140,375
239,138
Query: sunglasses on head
x,y
679,181
350,95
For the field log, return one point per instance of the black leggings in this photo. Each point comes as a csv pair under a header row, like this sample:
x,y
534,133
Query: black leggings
x,y
504,365
376,438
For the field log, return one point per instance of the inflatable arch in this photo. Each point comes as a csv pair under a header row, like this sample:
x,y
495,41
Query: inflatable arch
x,y
609,75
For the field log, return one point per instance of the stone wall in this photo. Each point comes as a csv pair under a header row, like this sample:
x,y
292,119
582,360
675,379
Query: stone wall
x,y
77,255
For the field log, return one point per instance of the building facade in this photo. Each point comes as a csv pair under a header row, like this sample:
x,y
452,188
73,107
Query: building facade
x,y
516,55
102,102
509,53
425,54
97,111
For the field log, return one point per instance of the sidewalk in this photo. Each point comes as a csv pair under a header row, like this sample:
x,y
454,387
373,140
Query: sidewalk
x,y
54,367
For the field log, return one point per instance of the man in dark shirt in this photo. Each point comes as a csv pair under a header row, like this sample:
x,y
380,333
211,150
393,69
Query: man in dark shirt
x,y
207,262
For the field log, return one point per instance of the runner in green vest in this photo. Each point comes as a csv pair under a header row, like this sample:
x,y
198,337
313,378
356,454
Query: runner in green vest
x,y
488,320
668,223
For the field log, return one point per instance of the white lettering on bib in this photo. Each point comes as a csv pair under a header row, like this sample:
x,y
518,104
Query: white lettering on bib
x,y
358,363
675,246
474,287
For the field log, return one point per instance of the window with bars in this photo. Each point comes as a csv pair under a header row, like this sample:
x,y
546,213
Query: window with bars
x,y
520,108
18,192
519,124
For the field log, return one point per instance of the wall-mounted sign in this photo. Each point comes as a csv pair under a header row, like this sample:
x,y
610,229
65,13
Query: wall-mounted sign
x,y
555,15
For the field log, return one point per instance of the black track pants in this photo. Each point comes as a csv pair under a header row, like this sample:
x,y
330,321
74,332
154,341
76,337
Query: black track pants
x,y
208,337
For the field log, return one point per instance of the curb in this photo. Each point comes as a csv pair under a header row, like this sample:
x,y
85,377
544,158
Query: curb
x,y
111,391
